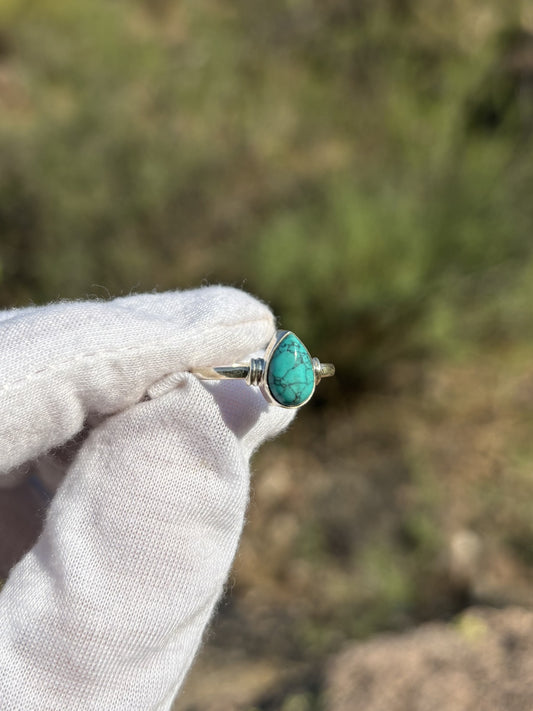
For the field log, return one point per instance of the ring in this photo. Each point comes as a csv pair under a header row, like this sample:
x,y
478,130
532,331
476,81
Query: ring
x,y
287,375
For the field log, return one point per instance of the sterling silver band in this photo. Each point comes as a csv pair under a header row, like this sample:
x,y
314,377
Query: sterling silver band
x,y
254,372
286,375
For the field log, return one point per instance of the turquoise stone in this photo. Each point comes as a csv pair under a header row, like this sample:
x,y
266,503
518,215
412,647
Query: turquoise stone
x,y
290,374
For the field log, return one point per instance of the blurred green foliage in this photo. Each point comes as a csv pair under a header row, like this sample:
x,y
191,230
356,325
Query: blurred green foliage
x,y
364,166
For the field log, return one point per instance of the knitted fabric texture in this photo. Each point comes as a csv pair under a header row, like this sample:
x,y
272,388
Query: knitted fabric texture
x,y
107,610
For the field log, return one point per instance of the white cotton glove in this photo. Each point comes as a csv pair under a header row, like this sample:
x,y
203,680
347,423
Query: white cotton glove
x,y
107,610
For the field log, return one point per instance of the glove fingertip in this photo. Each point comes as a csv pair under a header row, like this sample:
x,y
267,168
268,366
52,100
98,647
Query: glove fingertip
x,y
246,412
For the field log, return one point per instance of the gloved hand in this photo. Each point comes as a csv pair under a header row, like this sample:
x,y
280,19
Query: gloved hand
x,y
107,610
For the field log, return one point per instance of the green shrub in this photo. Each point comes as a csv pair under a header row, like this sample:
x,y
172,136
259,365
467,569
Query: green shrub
x,y
364,167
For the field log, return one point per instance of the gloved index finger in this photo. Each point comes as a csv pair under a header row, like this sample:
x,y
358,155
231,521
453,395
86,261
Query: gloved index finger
x,y
63,362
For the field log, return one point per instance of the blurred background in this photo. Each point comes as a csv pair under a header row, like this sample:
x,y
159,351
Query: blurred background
x,y
366,168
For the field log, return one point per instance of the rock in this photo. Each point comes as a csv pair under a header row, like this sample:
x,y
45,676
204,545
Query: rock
x,y
483,661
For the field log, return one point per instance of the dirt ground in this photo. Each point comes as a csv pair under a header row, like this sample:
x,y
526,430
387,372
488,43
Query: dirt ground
x,y
403,508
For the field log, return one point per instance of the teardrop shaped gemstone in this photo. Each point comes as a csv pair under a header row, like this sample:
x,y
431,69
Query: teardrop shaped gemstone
x,y
290,374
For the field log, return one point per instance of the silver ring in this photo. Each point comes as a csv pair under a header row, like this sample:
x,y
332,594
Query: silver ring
x,y
287,375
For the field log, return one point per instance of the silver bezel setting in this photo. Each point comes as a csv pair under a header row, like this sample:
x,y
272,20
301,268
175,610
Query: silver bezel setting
x,y
262,381
256,371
